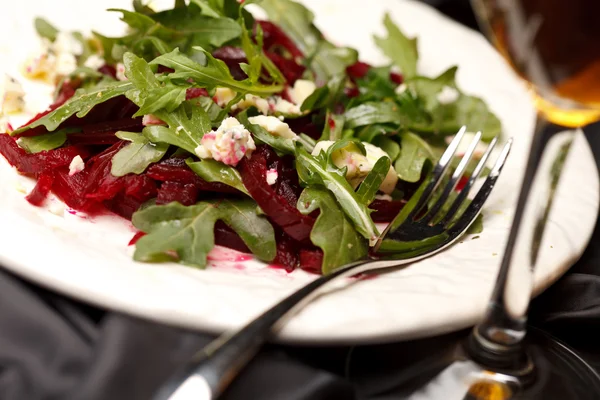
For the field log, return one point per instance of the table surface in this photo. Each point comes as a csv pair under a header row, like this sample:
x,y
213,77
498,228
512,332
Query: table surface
x,y
52,347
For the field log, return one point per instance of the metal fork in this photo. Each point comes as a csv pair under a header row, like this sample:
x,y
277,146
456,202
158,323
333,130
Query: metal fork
x,y
212,369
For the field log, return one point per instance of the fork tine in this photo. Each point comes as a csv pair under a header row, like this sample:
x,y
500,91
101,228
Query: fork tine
x,y
438,172
462,196
477,203
458,173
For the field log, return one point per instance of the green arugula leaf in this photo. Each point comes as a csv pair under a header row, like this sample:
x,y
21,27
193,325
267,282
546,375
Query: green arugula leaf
x,y
135,157
195,29
149,46
189,231
427,88
151,96
80,104
256,57
326,96
215,171
369,187
296,20
142,8
468,111
332,232
388,145
414,153
209,9
334,127
318,171
187,125
211,74
48,141
375,86
399,48
281,144
375,113
45,29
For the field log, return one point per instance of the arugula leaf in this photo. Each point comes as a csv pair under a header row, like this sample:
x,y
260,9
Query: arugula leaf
x,y
284,145
399,48
427,89
332,232
135,157
296,20
375,113
215,171
368,133
469,111
334,127
256,57
209,9
388,145
375,86
211,73
189,231
369,187
45,29
326,96
151,96
318,171
195,29
187,125
80,104
48,141
414,153
141,8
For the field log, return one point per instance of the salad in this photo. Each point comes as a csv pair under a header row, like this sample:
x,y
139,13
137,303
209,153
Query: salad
x,y
204,126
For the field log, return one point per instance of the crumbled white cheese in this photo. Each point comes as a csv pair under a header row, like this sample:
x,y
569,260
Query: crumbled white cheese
x,y
223,96
285,107
272,176
447,95
229,144
77,165
301,91
274,126
94,62
150,119
12,96
251,100
401,88
384,197
5,126
40,64
65,64
357,165
121,72
65,42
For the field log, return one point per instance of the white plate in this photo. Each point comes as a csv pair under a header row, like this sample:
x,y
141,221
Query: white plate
x,y
89,259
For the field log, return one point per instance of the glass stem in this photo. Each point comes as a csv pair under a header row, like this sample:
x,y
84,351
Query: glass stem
x,y
497,339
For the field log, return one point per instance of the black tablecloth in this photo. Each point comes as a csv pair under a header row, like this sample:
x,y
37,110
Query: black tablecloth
x,y
52,347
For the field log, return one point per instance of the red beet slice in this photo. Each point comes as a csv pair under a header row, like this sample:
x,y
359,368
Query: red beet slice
x,y
311,260
291,70
40,192
254,176
71,189
184,193
274,36
358,70
385,211
176,170
140,187
225,236
108,70
287,252
102,185
194,93
232,56
124,124
123,205
102,138
136,237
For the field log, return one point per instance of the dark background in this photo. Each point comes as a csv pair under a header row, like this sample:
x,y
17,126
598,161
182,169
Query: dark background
x,y
52,347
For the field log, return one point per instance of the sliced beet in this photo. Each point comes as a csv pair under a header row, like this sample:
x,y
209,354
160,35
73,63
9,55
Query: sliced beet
x,y
287,252
101,138
176,170
102,185
225,236
41,190
273,36
254,176
358,70
123,205
140,187
290,69
136,237
184,193
124,124
385,211
306,125
232,56
108,70
311,260
193,93
71,189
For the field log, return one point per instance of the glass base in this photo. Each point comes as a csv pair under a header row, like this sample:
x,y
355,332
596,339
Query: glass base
x,y
558,374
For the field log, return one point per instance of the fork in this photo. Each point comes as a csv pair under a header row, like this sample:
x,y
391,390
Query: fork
x,y
418,233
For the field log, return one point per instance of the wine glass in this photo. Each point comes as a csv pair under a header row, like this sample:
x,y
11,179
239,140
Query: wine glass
x,y
554,45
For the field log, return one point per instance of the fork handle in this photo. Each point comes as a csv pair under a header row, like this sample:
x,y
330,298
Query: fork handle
x,y
212,369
